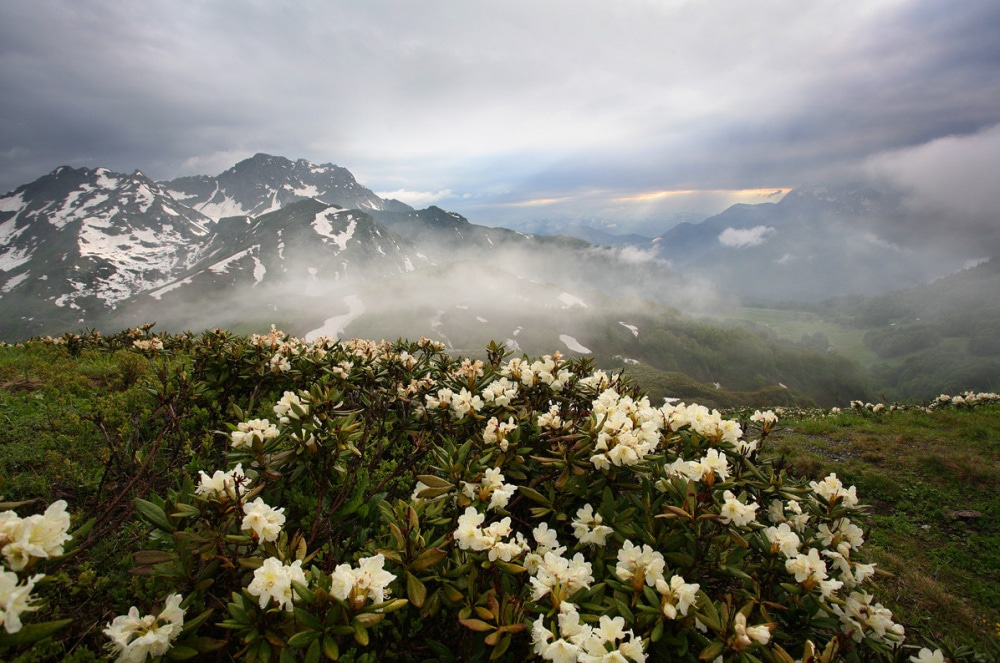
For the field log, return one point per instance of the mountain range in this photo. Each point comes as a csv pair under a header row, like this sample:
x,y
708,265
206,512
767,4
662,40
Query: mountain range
x,y
272,239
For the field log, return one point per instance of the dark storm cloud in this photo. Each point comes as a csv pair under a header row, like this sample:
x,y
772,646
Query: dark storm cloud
x,y
576,102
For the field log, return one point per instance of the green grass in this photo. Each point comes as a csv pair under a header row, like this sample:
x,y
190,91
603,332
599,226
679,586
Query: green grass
x,y
931,481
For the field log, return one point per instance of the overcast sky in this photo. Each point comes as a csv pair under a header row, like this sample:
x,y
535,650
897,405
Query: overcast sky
x,y
504,108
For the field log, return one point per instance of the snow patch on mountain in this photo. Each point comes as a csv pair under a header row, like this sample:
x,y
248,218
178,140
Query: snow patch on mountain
x,y
14,257
631,328
217,210
157,294
12,203
258,270
569,301
222,267
573,344
14,281
323,225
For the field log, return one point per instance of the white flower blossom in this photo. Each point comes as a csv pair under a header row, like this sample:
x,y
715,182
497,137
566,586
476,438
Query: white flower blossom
x,y
15,599
221,485
273,580
369,581
678,596
736,512
265,521
587,527
136,638
255,430
639,564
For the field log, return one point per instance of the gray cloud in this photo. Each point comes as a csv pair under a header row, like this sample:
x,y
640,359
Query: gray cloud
x,y
580,101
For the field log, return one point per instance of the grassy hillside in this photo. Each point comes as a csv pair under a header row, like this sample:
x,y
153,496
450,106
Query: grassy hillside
x,y
101,423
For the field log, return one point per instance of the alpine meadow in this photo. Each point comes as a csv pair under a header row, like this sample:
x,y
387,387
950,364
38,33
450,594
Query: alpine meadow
x,y
451,332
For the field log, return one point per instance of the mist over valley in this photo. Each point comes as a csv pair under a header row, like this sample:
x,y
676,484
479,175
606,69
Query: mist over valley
x,y
309,249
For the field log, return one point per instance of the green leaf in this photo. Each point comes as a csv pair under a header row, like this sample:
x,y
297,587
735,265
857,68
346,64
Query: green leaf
x,y
314,652
181,653
330,648
154,514
712,651
415,590
32,633
303,638
476,625
428,558
535,496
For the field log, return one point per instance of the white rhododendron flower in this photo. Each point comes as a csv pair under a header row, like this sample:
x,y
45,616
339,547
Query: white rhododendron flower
x,y
678,596
496,432
748,635
273,580
285,408
627,430
860,618
222,485
766,419
465,402
501,392
808,569
831,488
491,488
560,576
136,638
639,564
369,581
587,526
255,430
927,656
265,521
736,512
491,539
15,599
34,537
783,540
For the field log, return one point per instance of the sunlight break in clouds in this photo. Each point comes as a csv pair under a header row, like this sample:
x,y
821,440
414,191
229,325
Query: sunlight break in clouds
x,y
741,238
418,199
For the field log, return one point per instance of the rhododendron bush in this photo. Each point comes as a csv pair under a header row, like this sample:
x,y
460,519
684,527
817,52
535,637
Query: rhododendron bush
x,y
386,500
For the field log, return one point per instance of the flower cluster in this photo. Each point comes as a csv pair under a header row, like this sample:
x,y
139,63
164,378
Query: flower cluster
x,y
255,430
35,537
273,581
15,599
134,639
492,539
575,640
369,581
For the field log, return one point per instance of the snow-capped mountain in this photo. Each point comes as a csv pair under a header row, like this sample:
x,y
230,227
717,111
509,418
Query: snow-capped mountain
x,y
84,239
271,238
265,183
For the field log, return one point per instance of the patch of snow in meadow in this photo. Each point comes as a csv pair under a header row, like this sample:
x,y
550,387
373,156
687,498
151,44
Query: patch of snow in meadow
x,y
258,270
14,257
15,281
157,294
631,328
481,319
573,344
569,301
222,267
335,326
